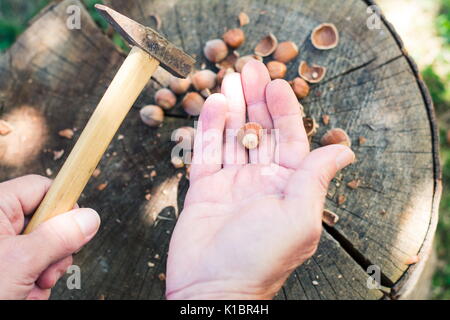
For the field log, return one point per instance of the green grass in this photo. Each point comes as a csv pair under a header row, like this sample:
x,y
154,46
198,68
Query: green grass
x,y
439,86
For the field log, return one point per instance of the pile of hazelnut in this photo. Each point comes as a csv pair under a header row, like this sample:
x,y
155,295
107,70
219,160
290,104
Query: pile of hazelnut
x,y
222,52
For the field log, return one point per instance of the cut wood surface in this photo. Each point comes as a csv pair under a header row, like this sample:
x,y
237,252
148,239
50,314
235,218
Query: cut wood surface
x,y
53,80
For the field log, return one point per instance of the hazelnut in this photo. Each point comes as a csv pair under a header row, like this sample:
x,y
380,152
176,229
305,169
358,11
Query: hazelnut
x,y
310,126
329,218
300,87
243,60
266,46
215,50
326,119
234,37
243,19
250,134
229,61
165,98
179,85
152,115
286,51
277,70
204,79
325,36
193,103
335,136
312,74
5,128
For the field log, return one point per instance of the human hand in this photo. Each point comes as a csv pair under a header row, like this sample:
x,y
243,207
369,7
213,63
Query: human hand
x,y
30,265
246,225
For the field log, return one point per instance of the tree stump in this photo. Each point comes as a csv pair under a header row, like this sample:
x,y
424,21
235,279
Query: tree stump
x,y
53,77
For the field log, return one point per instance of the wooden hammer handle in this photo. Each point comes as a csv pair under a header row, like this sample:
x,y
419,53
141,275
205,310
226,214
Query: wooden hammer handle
x,y
123,91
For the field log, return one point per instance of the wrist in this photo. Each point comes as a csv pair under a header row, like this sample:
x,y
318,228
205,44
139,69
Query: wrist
x,y
220,291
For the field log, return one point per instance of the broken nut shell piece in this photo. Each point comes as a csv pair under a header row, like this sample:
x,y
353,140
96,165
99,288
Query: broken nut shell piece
x,y
336,136
250,135
329,218
325,36
312,74
266,45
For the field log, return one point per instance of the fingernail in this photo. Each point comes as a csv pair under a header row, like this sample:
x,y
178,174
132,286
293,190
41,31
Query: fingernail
x,y
345,158
88,220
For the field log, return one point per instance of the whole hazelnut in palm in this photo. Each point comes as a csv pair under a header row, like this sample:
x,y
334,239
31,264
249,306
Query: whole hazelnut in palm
x,y
336,136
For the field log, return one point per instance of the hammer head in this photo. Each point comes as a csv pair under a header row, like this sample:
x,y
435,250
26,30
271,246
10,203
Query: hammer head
x,y
171,58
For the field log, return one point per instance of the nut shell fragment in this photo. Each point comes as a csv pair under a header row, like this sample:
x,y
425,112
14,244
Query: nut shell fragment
x,y
329,218
313,73
310,126
335,136
325,36
243,19
5,128
66,133
266,45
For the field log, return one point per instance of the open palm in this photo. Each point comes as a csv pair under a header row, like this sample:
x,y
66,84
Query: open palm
x,y
250,218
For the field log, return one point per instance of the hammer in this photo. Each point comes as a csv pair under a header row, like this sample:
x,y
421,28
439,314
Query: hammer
x,y
149,50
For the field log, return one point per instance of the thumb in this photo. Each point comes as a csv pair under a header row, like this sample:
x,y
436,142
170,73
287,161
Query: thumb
x,y
316,171
58,238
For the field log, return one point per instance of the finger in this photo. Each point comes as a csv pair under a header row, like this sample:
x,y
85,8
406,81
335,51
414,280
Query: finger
x,y
319,167
255,78
55,239
52,274
21,196
309,184
234,152
208,144
292,145
39,294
